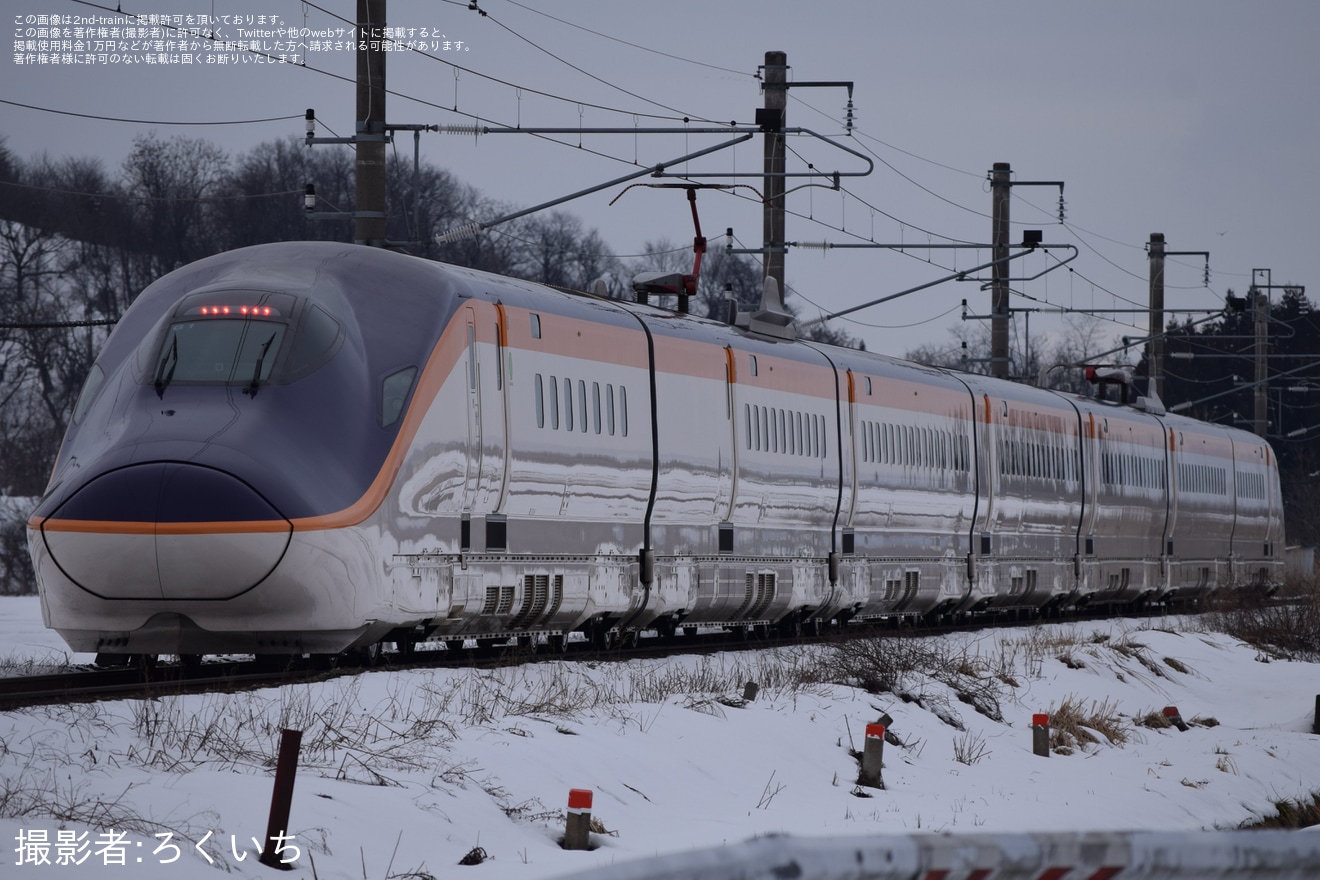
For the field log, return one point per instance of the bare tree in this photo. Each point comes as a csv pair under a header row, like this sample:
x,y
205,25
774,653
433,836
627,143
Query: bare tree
x,y
172,183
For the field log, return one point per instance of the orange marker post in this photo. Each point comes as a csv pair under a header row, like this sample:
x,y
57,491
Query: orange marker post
x,y
873,757
1040,734
577,832
1175,717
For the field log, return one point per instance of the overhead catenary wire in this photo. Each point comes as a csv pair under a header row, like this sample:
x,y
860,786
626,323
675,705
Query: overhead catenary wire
x,y
815,220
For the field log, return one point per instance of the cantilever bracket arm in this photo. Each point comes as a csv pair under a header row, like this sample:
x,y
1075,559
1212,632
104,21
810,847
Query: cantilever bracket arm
x,y
956,276
470,229
1047,270
870,164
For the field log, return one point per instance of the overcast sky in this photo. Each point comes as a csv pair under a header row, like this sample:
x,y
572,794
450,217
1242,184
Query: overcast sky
x,y
1194,118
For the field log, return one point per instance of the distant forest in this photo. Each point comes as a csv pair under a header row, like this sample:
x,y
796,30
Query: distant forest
x,y
78,243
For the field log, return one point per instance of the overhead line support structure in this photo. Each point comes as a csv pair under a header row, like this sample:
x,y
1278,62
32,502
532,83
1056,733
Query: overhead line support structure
x,y
660,170
1157,253
1260,304
956,276
1001,182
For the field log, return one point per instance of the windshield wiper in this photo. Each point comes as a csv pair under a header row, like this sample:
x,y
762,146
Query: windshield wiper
x,y
164,376
261,360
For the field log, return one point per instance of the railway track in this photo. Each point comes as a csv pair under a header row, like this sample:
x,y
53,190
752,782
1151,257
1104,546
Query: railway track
x,y
147,681
150,680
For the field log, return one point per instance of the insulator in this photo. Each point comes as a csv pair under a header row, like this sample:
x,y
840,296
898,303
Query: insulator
x,y
814,245
467,230
473,130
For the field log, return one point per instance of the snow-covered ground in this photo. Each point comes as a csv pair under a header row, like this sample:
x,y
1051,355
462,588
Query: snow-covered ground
x,y
403,774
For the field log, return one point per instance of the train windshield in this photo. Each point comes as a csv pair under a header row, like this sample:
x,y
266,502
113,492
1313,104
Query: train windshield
x,y
221,351
239,338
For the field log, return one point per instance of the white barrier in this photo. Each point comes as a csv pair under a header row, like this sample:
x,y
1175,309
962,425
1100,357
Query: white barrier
x,y
1173,855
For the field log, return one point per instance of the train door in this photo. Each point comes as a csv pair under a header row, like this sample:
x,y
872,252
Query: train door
x,y
502,362
487,417
726,488
473,458
848,452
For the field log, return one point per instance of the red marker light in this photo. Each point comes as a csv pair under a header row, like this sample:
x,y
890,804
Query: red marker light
x,y
246,311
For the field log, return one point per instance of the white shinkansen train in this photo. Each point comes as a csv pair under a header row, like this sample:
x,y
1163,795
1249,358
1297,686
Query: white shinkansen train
x,y
315,447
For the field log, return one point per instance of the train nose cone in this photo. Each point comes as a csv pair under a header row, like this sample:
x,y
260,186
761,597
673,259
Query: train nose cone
x,y
166,530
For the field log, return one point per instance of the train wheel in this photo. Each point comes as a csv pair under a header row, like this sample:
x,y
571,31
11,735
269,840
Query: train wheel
x,y
111,661
325,662
190,664
602,637
453,644
273,662
558,643
145,664
369,655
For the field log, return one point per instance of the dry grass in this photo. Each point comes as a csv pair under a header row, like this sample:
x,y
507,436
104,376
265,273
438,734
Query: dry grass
x,y
908,666
1290,815
1287,628
1073,726
969,748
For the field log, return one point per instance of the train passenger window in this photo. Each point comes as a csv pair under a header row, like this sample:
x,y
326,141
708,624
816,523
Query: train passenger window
x,y
568,404
394,392
595,408
540,402
783,437
536,325
554,403
868,386
582,405
609,408
747,418
751,362
623,411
